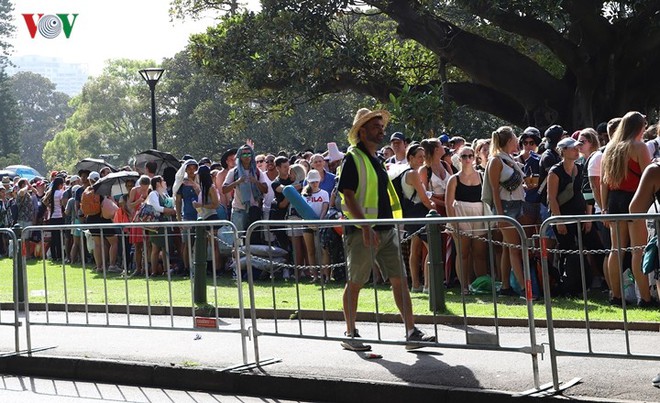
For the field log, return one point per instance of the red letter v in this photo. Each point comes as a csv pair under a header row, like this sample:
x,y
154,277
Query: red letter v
x,y
31,24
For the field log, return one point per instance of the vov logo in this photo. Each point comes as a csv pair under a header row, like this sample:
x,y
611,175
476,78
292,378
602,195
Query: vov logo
x,y
50,25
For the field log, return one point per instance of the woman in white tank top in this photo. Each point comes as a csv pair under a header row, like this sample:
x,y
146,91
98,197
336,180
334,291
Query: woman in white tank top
x,y
439,175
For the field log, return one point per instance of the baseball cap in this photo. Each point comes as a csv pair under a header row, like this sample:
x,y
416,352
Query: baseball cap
x,y
94,176
397,136
313,176
74,178
554,133
444,138
568,142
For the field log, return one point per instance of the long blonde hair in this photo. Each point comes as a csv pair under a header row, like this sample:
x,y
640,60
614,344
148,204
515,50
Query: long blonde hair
x,y
617,153
500,137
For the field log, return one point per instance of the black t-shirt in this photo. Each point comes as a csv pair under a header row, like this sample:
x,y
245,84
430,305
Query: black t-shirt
x,y
348,179
279,197
577,205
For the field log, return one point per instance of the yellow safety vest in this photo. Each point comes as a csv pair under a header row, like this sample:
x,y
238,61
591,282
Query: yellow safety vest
x,y
367,196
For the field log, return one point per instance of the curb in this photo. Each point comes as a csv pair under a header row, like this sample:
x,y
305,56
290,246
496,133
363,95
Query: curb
x,y
285,314
255,384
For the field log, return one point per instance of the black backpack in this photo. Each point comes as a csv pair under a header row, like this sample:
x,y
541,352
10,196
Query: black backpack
x,y
406,203
409,208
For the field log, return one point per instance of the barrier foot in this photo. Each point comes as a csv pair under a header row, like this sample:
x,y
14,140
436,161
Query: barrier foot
x,y
22,352
251,365
547,390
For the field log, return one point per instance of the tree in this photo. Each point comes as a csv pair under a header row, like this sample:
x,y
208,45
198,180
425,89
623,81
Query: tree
x,y
529,62
7,30
10,123
44,112
112,115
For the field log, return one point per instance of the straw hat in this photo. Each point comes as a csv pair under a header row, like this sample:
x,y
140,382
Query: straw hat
x,y
363,116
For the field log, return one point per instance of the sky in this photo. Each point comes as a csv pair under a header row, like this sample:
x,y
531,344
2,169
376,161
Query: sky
x,y
105,29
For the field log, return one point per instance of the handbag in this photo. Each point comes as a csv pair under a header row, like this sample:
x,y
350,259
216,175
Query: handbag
x,y
108,208
515,180
568,192
145,214
650,259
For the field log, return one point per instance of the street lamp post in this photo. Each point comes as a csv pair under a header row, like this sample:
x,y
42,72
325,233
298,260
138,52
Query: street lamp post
x,y
151,76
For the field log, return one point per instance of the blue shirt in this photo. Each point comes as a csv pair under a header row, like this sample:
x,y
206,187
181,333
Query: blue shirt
x,y
328,182
188,196
532,166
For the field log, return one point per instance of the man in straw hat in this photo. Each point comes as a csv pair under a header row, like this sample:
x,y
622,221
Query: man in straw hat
x,y
367,193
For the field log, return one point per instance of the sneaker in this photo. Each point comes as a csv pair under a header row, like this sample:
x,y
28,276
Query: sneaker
x,y
647,304
508,292
418,336
614,301
354,344
114,269
417,289
656,381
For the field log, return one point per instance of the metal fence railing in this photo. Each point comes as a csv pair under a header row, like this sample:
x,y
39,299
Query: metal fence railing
x,y
16,289
591,348
308,328
69,290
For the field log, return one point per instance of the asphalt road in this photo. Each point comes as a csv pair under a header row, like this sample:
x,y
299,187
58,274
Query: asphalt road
x,y
304,359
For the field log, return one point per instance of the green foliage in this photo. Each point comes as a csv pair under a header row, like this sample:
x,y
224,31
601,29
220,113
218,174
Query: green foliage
x,y
112,115
63,152
7,30
10,120
44,112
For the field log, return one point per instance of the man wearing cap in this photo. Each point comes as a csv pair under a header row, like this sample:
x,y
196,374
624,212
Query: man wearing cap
x,y
398,143
367,193
528,142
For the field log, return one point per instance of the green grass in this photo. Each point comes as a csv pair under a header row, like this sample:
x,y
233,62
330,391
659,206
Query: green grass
x,y
281,294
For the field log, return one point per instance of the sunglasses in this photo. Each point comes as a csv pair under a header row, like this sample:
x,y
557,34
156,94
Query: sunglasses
x,y
271,161
529,143
258,161
246,155
467,156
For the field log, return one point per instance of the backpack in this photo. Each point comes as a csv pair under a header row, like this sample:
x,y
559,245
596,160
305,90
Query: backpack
x,y
406,203
409,208
90,202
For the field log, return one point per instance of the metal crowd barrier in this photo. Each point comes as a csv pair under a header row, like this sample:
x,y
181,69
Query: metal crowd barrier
x,y
124,314
308,329
591,350
17,287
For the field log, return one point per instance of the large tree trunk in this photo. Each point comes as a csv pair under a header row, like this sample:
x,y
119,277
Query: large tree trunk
x,y
610,71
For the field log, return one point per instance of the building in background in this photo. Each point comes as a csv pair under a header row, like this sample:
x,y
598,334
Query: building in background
x,y
69,78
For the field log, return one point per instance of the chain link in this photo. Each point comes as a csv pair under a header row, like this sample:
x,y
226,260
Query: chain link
x,y
538,250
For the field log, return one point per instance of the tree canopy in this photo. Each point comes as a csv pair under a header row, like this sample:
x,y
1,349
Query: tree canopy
x,y
43,111
529,62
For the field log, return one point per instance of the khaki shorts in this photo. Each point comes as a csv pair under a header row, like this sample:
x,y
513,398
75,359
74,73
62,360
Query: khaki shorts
x,y
360,259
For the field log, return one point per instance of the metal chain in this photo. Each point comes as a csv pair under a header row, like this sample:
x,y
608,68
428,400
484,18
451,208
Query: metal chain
x,y
538,250
283,265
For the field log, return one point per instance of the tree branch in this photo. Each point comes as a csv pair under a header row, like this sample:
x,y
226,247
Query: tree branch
x,y
565,50
488,100
488,63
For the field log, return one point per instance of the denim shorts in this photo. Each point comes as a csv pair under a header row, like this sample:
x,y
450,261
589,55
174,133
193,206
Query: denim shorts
x,y
512,208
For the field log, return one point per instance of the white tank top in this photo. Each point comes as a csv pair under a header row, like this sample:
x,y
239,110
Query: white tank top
x,y
507,171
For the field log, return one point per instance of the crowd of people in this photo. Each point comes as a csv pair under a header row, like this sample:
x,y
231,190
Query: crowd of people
x,y
528,177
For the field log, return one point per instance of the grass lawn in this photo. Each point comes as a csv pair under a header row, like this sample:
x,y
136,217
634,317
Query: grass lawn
x,y
282,294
